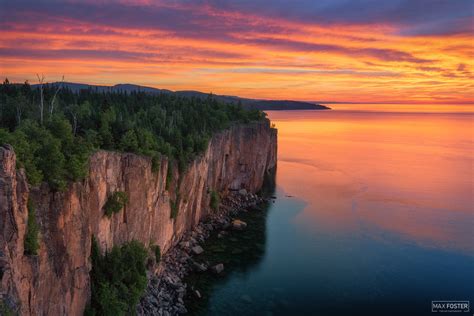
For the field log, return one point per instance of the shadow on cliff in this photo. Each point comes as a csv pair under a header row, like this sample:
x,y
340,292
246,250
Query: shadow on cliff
x,y
239,251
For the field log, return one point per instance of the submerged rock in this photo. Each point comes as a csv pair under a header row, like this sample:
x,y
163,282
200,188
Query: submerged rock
x,y
218,268
221,234
197,293
201,267
167,291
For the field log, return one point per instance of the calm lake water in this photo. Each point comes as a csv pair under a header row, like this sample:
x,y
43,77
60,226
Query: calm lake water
x,y
373,216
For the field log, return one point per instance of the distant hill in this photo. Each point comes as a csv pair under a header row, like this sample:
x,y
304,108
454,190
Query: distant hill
x,y
278,105
264,105
76,87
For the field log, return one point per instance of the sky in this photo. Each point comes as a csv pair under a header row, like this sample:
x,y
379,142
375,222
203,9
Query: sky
x,y
407,51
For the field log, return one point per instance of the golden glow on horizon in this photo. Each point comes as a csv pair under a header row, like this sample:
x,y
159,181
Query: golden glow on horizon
x,y
417,174
303,62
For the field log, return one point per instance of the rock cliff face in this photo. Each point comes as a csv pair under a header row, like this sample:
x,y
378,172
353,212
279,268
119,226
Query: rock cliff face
x,y
56,281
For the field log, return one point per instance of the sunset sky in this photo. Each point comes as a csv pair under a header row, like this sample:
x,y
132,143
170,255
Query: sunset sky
x,y
337,50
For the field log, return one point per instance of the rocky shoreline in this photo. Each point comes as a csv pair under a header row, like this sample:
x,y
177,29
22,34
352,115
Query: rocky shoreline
x,y
166,289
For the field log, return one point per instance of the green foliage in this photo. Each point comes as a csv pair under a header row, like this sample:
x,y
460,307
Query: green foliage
x,y
115,203
129,142
215,200
25,149
118,279
57,150
157,250
169,175
5,310
174,205
31,243
49,153
155,163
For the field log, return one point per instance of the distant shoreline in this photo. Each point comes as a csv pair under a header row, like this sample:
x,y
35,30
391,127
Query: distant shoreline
x,y
254,104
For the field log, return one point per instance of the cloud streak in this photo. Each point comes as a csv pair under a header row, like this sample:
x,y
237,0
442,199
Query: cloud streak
x,y
305,49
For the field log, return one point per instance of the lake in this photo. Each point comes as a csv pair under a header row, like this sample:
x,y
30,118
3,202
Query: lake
x,y
373,216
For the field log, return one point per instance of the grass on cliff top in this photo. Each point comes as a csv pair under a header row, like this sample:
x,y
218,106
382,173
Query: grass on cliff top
x,y
53,142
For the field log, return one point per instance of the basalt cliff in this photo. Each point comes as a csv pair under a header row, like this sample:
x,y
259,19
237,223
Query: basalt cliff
x,y
56,280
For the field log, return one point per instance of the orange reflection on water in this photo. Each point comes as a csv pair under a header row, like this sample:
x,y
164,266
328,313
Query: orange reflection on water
x,y
374,173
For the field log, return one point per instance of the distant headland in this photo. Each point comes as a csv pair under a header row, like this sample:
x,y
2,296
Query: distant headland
x,y
258,104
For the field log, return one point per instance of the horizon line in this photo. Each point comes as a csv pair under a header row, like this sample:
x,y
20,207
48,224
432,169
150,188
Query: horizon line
x,y
432,102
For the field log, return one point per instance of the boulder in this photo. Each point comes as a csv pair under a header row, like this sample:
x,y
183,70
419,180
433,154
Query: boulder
x,y
210,227
197,250
238,224
218,268
243,192
182,309
200,267
221,234
197,293
185,244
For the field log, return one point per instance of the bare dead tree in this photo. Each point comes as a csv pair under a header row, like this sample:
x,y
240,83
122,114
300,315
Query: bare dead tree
x,y
74,120
51,107
41,105
19,111
163,113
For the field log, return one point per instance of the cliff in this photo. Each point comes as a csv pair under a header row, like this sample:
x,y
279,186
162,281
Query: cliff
x,y
56,281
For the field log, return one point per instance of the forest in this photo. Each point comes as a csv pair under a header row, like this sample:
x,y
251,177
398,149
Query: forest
x,y
54,130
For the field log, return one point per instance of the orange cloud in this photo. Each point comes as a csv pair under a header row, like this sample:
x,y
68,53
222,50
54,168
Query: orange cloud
x,y
227,51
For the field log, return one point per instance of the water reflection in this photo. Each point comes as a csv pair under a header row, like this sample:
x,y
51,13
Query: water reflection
x,y
373,216
404,173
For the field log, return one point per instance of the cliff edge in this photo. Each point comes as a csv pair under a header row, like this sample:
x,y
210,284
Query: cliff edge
x,y
56,281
